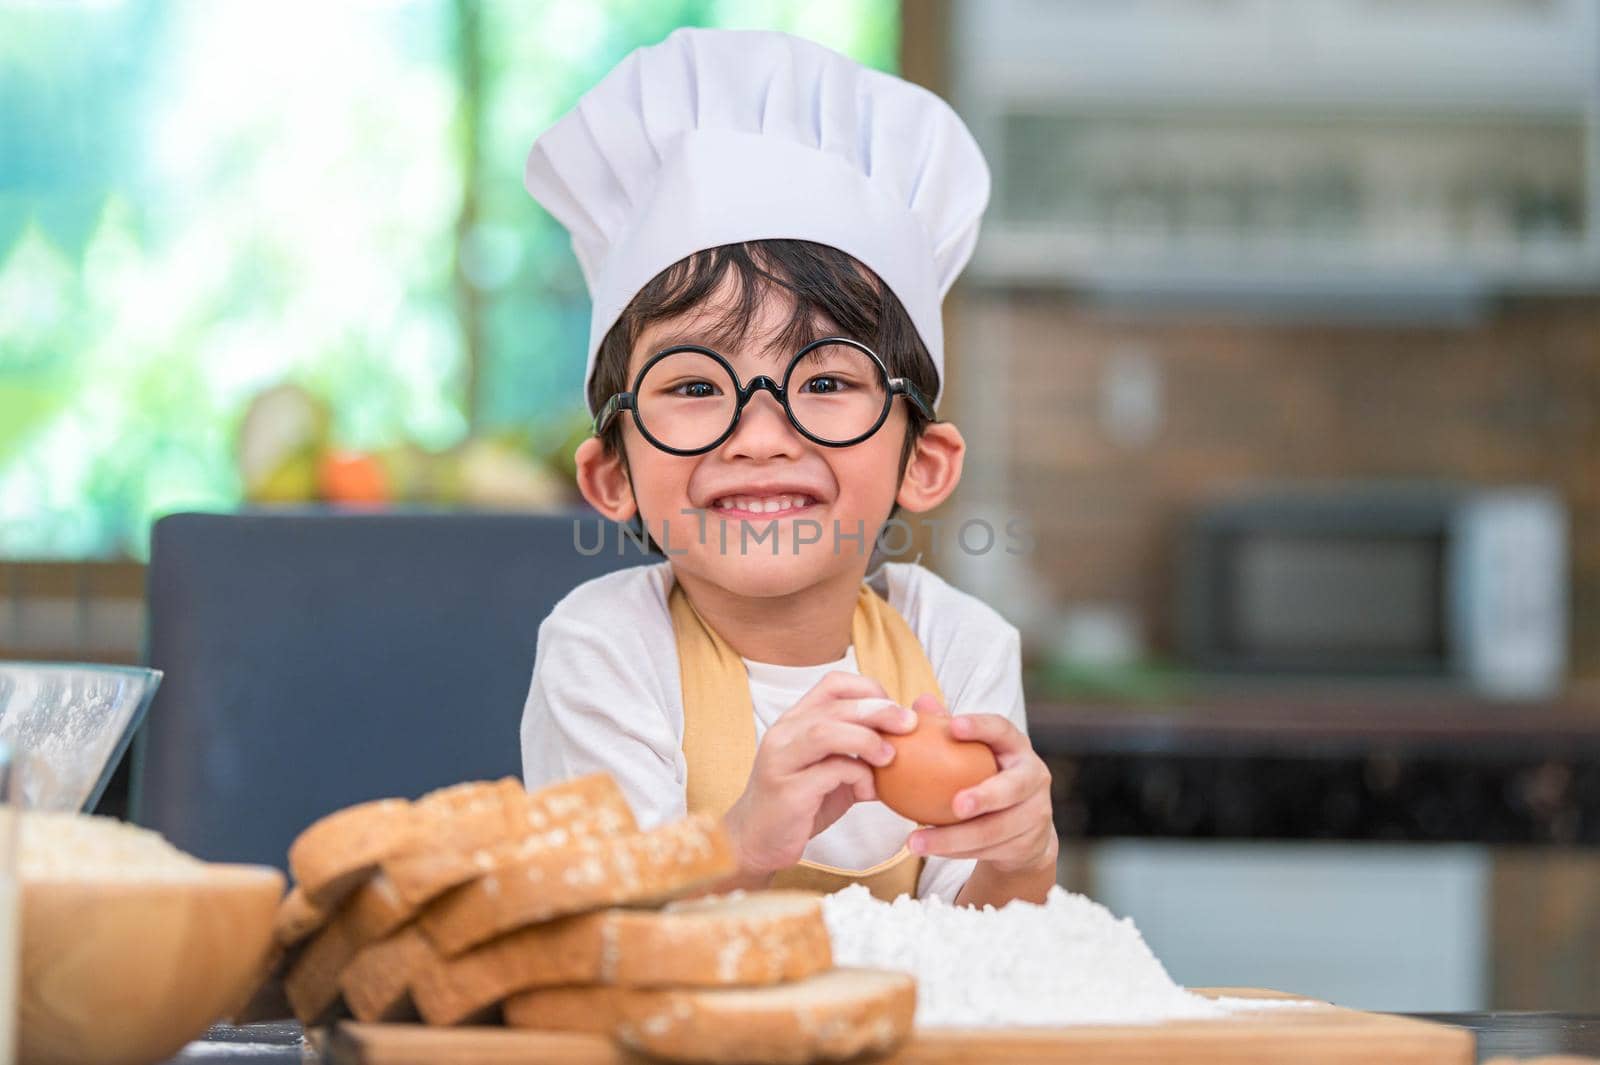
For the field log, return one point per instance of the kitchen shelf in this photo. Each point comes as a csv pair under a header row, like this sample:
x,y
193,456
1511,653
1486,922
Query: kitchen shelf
x,y
1337,153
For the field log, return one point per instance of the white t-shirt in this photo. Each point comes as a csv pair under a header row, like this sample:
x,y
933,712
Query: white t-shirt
x,y
606,696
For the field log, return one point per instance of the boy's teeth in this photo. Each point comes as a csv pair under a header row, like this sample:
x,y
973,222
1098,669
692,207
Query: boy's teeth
x,y
763,504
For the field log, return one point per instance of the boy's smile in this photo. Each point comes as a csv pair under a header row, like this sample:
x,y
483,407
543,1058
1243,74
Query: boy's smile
x,y
764,501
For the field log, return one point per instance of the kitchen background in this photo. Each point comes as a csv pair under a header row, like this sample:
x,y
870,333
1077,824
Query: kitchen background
x,y
1268,299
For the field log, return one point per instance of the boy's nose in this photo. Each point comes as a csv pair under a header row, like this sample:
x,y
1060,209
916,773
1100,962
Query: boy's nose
x,y
764,430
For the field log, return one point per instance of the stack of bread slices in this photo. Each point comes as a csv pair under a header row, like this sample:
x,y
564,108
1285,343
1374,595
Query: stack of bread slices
x,y
482,902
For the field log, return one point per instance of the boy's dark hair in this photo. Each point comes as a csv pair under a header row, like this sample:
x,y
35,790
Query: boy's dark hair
x,y
832,292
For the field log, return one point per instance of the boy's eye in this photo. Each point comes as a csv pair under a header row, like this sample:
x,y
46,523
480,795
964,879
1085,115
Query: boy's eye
x,y
824,384
695,389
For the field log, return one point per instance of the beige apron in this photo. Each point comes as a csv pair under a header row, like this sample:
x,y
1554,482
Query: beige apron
x,y
719,724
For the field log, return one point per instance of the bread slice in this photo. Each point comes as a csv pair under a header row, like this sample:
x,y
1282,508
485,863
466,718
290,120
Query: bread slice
x,y
338,852
642,869
462,847
311,984
741,939
374,910
347,898
376,984
594,1008
832,1016
333,856
564,951
297,918
737,939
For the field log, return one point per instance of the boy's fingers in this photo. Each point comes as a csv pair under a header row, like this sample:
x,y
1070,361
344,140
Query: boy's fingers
x,y
986,851
818,738
1005,789
836,771
843,685
834,687
979,834
994,729
929,703
885,715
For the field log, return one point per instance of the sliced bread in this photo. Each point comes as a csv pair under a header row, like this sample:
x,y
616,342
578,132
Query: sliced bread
x,y
742,939
564,951
636,870
589,807
336,853
333,856
371,913
831,1016
376,984
312,981
297,918
593,1008
738,939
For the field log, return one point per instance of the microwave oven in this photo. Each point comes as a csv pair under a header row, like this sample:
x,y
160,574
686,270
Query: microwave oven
x,y
1464,586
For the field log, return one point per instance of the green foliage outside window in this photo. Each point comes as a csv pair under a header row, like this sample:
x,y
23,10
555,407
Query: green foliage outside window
x,y
201,201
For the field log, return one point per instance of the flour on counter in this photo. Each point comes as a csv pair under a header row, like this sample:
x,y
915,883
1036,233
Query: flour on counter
x,y
1069,961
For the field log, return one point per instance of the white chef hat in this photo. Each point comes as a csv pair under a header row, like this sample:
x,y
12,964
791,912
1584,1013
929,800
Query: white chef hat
x,y
714,137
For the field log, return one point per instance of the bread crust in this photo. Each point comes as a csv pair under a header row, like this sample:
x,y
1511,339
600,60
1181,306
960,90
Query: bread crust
x,y
635,870
789,1024
332,857
720,941
831,1016
590,807
376,984
594,1009
297,918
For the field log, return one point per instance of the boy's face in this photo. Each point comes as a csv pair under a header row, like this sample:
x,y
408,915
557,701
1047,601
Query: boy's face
x,y
714,514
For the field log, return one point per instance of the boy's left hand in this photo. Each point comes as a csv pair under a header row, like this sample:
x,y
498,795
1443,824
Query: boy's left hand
x,y
1007,819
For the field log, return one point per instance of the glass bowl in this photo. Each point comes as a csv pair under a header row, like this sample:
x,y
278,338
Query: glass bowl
x,y
69,723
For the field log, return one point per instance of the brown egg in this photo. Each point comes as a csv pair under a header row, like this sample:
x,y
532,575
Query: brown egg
x,y
929,768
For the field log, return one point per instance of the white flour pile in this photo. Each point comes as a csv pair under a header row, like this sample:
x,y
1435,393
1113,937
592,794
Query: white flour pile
x,y
56,846
1069,961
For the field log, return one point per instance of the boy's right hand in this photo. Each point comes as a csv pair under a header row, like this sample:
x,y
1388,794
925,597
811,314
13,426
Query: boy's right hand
x,y
813,764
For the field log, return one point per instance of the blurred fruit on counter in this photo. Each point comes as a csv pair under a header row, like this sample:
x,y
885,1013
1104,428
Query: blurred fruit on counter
x,y
352,477
283,431
288,453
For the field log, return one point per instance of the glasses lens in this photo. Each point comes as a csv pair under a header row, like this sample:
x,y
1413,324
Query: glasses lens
x,y
837,392
686,400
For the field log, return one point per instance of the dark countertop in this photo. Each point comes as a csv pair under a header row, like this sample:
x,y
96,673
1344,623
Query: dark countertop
x,y
1354,766
1498,1033
1331,724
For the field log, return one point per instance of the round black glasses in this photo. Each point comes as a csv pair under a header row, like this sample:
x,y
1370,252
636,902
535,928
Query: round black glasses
x,y
687,399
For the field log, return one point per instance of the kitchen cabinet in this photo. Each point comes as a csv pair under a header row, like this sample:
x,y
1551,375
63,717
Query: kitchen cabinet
x,y
1341,157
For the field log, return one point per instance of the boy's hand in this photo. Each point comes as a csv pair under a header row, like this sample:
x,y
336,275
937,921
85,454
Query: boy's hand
x,y
1006,820
813,764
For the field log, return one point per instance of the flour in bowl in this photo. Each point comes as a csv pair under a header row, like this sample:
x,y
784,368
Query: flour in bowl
x,y
67,846
1069,961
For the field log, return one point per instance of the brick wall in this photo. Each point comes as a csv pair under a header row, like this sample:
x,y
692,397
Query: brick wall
x,y
1514,398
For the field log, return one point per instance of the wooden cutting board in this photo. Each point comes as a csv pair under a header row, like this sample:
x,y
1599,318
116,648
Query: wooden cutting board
x,y
1302,1035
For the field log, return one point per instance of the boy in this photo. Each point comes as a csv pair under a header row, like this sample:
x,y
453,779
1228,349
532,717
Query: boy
x,y
767,230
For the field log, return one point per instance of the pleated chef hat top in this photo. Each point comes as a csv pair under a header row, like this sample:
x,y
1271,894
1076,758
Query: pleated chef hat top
x,y
714,137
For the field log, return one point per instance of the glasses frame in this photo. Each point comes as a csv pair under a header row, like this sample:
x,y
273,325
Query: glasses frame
x,y
893,386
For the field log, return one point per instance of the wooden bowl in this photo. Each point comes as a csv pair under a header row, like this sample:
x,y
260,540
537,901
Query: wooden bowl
x,y
125,972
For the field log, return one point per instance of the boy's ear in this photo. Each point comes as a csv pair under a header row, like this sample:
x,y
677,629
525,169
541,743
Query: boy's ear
x,y
603,480
934,468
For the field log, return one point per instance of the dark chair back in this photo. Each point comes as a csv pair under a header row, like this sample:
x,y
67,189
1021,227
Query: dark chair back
x,y
316,659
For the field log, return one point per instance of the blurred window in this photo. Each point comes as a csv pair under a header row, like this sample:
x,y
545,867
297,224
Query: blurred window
x,y
200,201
